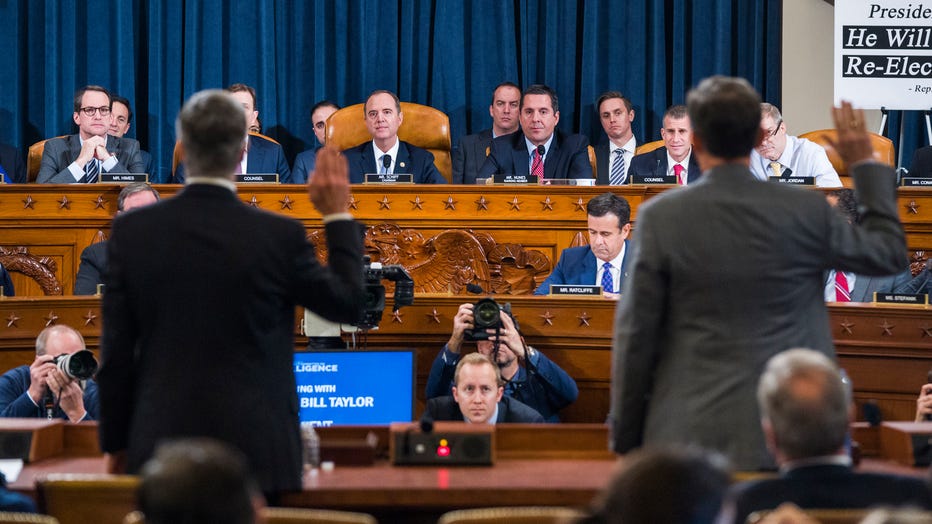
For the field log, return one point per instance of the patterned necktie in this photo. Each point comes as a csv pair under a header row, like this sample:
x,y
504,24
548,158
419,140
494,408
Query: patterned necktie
x,y
537,166
91,170
607,283
841,288
617,176
775,167
678,171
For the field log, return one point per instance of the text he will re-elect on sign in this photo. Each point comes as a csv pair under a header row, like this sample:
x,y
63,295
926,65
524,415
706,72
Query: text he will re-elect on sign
x,y
883,53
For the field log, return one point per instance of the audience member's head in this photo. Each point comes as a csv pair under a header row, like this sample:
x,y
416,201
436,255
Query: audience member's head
x,y
198,480
725,116
504,109
212,130
677,133
121,116
616,114
676,486
540,113
319,115
58,340
774,130
608,217
92,108
383,117
137,194
804,405
477,387
845,202
246,96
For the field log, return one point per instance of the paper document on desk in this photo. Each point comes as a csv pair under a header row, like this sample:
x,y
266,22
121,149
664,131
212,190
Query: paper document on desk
x,y
11,468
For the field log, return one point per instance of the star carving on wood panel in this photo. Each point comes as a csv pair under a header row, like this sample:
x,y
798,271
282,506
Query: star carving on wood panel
x,y
846,326
12,319
548,317
353,203
580,205
254,202
912,207
584,319
449,203
89,318
515,204
417,203
385,203
887,328
397,317
926,331
287,202
64,203
100,203
50,319
482,204
29,202
433,316
546,204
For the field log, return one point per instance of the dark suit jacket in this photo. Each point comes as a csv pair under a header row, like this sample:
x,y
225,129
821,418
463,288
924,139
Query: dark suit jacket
x,y
264,156
725,293
568,157
865,285
577,265
411,159
12,163
603,162
826,486
469,156
92,268
921,165
204,346
304,163
59,153
655,163
147,166
509,411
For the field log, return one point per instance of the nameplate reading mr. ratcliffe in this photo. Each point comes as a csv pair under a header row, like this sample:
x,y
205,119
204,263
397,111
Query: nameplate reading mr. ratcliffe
x,y
389,178
122,178
256,178
513,178
637,178
901,298
916,182
565,289
795,180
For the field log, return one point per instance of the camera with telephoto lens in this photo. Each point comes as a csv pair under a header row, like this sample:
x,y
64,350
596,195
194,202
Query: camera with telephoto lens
x,y
487,314
374,273
80,365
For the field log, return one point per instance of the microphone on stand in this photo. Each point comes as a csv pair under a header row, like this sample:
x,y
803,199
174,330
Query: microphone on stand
x,y
386,162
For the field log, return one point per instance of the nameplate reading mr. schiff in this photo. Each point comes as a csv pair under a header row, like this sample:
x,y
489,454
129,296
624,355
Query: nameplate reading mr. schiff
x,y
566,289
122,178
256,178
389,178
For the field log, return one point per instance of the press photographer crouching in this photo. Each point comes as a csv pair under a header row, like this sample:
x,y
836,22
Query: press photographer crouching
x,y
57,384
529,375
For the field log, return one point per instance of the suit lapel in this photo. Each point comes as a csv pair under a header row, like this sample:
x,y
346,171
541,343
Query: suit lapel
x,y
624,266
660,162
601,162
368,159
551,160
403,162
520,155
861,285
590,269
74,148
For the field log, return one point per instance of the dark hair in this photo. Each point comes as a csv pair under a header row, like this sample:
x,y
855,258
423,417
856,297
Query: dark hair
x,y
504,84
239,88
197,480
125,102
381,92
725,114
541,89
608,95
212,131
79,94
605,203
675,112
846,203
132,189
324,103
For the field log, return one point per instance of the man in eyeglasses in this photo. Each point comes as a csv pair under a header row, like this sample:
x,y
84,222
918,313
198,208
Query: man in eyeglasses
x,y
81,158
783,155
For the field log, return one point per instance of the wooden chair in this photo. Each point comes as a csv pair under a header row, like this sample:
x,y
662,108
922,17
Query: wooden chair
x,y
512,515
291,516
648,147
422,126
176,153
34,159
79,499
883,151
7,517
593,162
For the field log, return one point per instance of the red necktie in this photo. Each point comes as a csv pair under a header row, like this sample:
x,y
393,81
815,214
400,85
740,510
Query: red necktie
x,y
537,166
841,288
678,171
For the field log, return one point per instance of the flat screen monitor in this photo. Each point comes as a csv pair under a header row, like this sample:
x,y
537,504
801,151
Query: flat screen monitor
x,y
374,386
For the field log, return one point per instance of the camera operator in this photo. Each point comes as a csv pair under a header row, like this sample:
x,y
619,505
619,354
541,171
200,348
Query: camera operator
x,y
23,390
529,375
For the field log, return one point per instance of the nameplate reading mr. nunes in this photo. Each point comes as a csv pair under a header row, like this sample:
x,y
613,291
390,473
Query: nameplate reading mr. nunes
x,y
256,178
566,289
389,178
513,178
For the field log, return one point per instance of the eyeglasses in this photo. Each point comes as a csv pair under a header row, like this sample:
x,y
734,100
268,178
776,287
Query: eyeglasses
x,y
89,111
775,129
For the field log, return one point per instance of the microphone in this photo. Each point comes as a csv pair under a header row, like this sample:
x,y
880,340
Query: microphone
x,y
475,289
541,150
427,423
787,173
386,162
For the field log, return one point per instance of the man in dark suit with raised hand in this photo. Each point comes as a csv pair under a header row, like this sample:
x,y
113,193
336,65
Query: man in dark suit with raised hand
x,y
675,158
472,150
206,349
538,149
728,272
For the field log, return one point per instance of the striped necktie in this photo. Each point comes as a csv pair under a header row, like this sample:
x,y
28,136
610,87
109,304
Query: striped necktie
x,y
617,176
608,285
842,293
91,170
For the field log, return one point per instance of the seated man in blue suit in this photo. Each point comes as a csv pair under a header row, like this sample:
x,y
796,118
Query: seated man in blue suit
x,y
605,260
472,150
12,167
24,389
306,160
120,122
805,411
386,153
260,155
538,149
675,157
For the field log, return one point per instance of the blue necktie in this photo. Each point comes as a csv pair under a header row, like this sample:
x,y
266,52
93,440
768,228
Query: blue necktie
x,y
607,286
91,170
617,175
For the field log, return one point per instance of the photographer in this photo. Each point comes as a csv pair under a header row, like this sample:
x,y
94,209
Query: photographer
x,y
529,376
23,389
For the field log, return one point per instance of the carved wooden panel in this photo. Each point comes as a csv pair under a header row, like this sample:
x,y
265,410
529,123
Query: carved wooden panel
x,y
29,271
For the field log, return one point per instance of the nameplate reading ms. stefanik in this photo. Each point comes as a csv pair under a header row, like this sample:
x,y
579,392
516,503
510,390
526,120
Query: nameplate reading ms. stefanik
x,y
122,178
637,178
566,289
795,180
389,178
513,178
921,299
916,182
256,178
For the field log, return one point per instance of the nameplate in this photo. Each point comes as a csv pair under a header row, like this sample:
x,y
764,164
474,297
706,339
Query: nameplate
x,y
637,178
122,178
565,289
901,298
916,182
794,180
568,182
256,178
389,178
512,178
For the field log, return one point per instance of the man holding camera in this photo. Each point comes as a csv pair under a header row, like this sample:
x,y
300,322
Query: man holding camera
x,y
539,383
24,390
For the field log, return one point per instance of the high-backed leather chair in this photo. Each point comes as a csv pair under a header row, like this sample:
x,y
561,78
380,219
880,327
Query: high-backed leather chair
x,y
421,126
883,151
34,159
79,499
176,153
648,147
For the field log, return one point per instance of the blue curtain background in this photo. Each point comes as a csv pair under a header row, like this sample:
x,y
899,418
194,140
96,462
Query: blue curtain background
x,y
445,53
